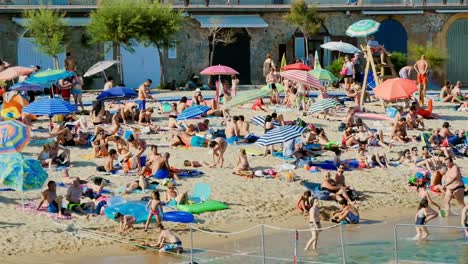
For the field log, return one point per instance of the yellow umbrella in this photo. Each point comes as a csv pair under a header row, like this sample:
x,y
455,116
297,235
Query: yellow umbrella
x,y
10,113
283,61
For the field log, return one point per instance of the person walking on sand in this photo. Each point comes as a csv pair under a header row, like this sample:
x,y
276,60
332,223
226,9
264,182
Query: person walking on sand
x,y
267,65
421,67
314,224
423,216
143,94
219,146
155,208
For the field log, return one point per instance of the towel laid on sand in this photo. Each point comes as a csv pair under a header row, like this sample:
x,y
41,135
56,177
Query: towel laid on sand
x,y
30,207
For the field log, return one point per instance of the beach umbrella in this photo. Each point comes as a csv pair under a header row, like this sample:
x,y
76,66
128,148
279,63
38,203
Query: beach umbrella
x,y
14,72
363,28
296,66
19,172
302,77
322,105
340,46
394,89
100,66
14,136
193,111
317,61
323,75
283,60
117,92
25,87
10,113
218,70
250,95
280,135
48,76
260,121
50,107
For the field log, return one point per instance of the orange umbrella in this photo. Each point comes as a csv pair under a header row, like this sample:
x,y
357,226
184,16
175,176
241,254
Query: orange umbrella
x,y
394,89
14,72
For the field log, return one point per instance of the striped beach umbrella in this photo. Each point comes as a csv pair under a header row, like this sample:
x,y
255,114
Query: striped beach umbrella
x,y
323,75
25,87
50,107
14,136
193,111
363,28
48,76
280,135
302,77
260,121
323,105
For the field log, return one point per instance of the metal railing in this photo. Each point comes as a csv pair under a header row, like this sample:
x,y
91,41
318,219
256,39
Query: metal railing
x,y
246,3
397,258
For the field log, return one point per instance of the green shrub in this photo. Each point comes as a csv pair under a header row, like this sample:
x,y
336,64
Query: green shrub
x,y
399,60
436,57
336,66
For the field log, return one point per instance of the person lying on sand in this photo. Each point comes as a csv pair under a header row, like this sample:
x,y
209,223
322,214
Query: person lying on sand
x,y
113,129
197,164
109,163
183,139
140,184
161,168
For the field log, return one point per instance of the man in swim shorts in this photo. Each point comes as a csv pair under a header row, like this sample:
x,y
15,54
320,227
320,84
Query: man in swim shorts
x,y
168,241
54,200
161,168
421,67
143,94
199,142
74,193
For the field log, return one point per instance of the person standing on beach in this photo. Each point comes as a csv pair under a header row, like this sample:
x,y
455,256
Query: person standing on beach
x,y
453,186
219,146
421,67
405,72
424,215
69,63
143,94
267,65
314,224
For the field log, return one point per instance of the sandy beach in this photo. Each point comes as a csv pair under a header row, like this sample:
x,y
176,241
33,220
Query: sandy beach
x,y
251,201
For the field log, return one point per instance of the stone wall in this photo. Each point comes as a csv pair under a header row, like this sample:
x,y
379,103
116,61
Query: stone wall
x,y
85,53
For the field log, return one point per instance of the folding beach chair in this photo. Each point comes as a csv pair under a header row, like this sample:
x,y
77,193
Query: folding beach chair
x,y
201,192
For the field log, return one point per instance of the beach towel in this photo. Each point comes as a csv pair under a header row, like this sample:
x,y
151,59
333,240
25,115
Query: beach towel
x,y
373,116
280,109
88,156
150,187
40,142
254,152
188,173
311,185
30,207
279,155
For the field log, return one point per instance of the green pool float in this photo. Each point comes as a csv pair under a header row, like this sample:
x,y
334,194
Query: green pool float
x,y
199,208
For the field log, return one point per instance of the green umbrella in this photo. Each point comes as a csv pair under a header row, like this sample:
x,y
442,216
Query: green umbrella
x,y
247,96
363,28
323,75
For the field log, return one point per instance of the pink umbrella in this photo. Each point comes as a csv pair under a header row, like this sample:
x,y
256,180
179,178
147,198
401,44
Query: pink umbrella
x,y
302,77
218,70
14,72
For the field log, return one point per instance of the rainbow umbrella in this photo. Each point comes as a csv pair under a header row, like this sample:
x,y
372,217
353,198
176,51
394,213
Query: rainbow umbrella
x,y
14,136
10,113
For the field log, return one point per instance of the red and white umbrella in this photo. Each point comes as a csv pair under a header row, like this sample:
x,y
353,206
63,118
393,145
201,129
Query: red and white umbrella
x,y
302,77
296,66
14,72
218,70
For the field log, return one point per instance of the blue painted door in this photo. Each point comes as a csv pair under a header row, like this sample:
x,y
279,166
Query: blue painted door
x,y
140,65
457,51
392,35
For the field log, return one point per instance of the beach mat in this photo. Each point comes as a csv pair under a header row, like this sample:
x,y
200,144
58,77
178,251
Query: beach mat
x,y
254,152
87,156
189,173
40,142
279,155
30,207
149,188
311,185
373,116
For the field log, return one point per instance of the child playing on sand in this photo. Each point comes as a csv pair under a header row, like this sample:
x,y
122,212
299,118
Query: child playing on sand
x,y
242,162
314,224
423,216
304,202
125,222
155,208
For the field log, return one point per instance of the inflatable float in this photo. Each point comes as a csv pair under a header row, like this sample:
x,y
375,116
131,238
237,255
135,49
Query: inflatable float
x,y
138,210
199,208
426,113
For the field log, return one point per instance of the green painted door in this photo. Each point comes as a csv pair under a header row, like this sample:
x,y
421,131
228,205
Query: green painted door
x,y
457,65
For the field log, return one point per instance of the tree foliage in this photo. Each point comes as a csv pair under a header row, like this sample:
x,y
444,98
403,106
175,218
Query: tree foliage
x,y
306,19
399,60
436,57
48,29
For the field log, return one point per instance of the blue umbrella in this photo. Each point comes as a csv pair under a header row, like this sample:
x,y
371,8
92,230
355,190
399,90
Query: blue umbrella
x,y
19,172
118,92
50,107
280,135
194,111
48,76
24,87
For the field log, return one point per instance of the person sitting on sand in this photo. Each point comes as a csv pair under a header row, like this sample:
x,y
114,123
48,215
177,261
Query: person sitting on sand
x,y
74,194
182,105
65,137
174,198
437,144
423,215
172,124
347,213
113,129
197,164
314,224
348,138
414,120
168,241
126,222
99,115
49,155
304,204
109,163
339,192
100,145
244,127
161,168
259,105
140,147
219,146
279,118
217,110
242,162
183,139
445,132
54,201
446,94
399,131
128,111
121,146
150,160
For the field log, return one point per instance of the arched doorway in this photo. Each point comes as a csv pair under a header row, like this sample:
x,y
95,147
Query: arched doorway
x,y
321,37
392,35
140,65
235,55
457,51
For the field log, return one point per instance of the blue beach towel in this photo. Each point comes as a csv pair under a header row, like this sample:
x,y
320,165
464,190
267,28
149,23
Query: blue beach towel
x,y
279,155
189,173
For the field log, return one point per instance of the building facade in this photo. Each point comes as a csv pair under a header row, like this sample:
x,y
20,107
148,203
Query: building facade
x,y
259,28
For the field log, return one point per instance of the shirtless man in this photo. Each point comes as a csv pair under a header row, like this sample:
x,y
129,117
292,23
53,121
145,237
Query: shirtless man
x,y
314,224
219,146
168,241
70,62
244,127
109,161
232,130
161,168
150,160
413,119
421,67
399,131
74,194
54,201
140,146
143,94
453,185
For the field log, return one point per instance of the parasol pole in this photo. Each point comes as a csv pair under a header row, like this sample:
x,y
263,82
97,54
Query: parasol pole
x,y
105,77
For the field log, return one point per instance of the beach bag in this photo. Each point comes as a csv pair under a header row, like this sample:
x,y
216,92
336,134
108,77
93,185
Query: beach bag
x,y
344,71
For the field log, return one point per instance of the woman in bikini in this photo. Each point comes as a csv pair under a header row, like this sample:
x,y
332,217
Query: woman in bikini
x,y
242,162
267,126
182,105
99,115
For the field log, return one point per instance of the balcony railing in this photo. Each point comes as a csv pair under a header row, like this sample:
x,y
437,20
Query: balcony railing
x,y
247,3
